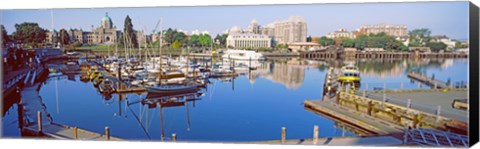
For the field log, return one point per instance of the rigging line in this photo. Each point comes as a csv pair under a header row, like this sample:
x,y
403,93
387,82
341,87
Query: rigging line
x,y
141,125
151,119
213,90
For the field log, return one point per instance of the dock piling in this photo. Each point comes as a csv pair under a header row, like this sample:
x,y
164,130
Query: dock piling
x,y
315,134
437,112
107,133
75,133
284,134
384,99
39,121
174,137
409,103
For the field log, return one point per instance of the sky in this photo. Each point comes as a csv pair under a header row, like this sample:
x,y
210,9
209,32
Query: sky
x,y
442,18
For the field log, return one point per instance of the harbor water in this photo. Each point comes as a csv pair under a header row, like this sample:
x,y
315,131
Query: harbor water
x,y
251,107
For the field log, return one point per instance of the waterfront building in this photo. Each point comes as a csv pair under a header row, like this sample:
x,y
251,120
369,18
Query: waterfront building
x,y
51,35
239,39
448,41
291,30
268,30
106,33
389,29
341,33
303,46
253,28
294,29
76,35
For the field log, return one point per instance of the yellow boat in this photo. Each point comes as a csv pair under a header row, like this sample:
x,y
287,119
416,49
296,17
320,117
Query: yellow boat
x,y
349,73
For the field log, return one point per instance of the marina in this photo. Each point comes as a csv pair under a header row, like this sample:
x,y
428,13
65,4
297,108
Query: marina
x,y
223,78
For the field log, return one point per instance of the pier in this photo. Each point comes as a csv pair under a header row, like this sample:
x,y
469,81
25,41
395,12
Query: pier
x,y
330,54
432,82
392,112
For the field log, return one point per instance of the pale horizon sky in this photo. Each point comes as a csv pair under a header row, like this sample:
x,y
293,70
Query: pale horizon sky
x,y
442,18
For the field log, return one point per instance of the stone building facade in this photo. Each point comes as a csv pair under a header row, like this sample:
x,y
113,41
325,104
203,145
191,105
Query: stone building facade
x,y
239,39
294,29
389,29
291,30
341,33
106,33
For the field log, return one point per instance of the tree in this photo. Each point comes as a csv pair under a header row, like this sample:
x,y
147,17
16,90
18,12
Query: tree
x,y
194,41
436,46
418,37
176,44
172,35
348,42
63,38
29,33
205,40
403,47
222,39
380,40
4,35
129,38
282,46
324,41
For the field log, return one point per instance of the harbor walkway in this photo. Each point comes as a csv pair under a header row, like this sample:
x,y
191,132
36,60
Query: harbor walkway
x,y
343,141
429,101
360,120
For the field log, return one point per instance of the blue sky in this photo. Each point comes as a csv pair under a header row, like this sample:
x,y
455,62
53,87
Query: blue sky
x,y
442,18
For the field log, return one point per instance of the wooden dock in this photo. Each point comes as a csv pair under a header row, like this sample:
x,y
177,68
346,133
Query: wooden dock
x,y
360,120
432,82
341,141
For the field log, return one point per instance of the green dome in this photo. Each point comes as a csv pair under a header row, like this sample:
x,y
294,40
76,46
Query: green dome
x,y
107,21
106,17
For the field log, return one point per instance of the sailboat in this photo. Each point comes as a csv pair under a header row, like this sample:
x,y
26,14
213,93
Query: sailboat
x,y
170,89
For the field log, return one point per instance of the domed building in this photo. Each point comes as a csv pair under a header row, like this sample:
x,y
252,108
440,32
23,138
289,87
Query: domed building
x,y
235,30
254,28
106,33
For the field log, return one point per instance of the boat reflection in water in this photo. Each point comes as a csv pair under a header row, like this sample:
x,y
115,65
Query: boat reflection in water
x,y
153,101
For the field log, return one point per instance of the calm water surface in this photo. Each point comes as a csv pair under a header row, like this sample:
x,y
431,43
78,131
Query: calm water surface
x,y
252,107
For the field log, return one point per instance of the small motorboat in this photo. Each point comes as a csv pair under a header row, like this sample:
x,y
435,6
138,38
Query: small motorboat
x,y
106,86
172,89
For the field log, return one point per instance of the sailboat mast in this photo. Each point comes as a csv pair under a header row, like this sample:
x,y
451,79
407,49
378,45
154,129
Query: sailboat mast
x,y
160,45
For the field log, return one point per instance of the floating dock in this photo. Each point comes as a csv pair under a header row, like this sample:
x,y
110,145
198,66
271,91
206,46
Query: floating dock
x,y
434,83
